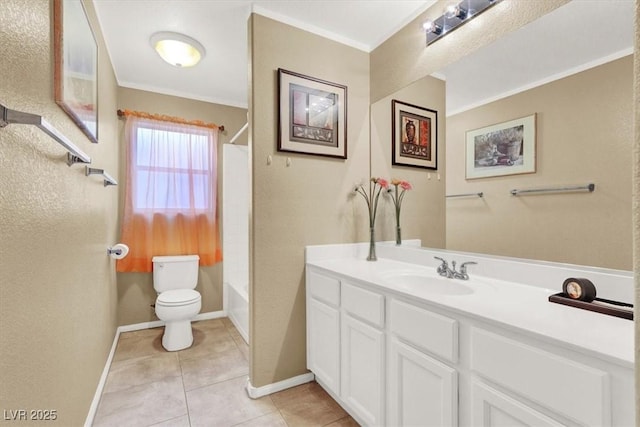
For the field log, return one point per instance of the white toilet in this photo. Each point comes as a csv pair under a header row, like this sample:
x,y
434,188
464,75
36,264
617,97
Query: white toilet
x,y
175,279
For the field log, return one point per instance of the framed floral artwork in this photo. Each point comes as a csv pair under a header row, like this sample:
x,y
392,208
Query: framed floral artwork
x,y
507,148
76,65
312,115
414,136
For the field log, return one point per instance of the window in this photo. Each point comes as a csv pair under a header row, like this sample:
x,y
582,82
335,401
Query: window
x,y
170,193
173,170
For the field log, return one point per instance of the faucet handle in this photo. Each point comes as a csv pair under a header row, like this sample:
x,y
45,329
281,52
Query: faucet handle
x,y
463,266
444,262
442,268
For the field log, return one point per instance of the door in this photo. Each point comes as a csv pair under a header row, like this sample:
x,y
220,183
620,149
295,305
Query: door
x,y
422,390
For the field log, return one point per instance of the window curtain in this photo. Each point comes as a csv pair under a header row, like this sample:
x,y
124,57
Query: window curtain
x,y
170,193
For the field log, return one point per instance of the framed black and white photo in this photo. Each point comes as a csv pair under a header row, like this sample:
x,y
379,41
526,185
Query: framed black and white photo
x,y
507,148
414,136
312,115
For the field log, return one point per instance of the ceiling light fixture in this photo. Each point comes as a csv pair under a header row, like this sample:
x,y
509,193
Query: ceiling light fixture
x,y
454,16
177,49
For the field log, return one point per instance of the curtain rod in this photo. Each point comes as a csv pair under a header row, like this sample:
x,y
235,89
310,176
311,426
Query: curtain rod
x,y
142,114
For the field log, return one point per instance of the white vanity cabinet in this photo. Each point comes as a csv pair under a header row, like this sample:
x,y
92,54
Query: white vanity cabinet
x,y
323,329
523,382
345,344
423,385
398,360
362,341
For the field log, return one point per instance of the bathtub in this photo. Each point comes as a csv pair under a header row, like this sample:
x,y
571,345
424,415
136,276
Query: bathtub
x,y
237,297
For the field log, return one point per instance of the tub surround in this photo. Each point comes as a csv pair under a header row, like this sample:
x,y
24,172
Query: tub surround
x,y
235,235
494,344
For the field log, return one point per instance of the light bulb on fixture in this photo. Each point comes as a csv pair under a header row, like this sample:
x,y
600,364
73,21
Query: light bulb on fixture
x,y
455,11
177,49
431,27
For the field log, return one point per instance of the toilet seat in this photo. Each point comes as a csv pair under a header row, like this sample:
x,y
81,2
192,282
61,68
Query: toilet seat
x,y
178,297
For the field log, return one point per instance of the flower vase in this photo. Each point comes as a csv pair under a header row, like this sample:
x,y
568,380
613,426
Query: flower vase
x,y
372,245
398,235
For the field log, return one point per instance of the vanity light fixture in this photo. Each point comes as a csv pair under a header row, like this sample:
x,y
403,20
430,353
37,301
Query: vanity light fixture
x,y
455,11
177,49
454,16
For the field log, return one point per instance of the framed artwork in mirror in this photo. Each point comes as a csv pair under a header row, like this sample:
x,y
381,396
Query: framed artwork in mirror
x,y
507,148
76,65
312,115
414,136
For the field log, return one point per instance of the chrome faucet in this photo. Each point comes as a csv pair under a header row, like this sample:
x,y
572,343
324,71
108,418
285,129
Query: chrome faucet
x,y
444,270
462,274
451,273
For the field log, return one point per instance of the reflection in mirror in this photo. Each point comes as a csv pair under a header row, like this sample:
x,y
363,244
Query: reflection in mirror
x,y
578,83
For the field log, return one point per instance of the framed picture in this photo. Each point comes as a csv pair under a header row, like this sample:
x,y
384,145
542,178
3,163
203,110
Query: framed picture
x,y
414,136
507,148
75,65
312,115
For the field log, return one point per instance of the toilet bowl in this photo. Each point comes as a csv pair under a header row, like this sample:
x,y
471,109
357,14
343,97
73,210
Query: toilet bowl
x,y
177,308
174,279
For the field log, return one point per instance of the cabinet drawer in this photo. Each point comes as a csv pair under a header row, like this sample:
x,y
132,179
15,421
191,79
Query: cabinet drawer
x,y
324,288
572,389
366,305
432,332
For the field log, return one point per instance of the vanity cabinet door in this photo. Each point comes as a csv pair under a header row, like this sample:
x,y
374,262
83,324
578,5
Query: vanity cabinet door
x,y
490,408
422,391
323,348
362,371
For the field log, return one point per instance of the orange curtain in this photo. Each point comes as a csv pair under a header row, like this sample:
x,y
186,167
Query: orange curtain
x,y
170,193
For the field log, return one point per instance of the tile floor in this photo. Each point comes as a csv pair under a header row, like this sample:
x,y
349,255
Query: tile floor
x,y
202,386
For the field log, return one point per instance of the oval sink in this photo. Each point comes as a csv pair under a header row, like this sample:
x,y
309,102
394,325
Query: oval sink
x,y
426,283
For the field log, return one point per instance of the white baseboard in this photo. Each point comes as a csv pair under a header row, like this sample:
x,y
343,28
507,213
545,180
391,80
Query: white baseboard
x,y
210,315
128,328
158,323
257,392
103,379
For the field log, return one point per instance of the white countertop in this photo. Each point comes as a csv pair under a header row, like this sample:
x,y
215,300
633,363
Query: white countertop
x,y
513,305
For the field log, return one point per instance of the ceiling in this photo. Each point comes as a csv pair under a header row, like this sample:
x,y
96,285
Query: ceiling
x,y
573,37
221,27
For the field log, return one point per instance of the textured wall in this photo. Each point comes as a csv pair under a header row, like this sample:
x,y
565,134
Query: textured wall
x,y
423,213
306,203
584,134
135,290
404,57
636,199
57,284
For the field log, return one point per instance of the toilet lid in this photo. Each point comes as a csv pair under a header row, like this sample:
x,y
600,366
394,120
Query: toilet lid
x,y
178,297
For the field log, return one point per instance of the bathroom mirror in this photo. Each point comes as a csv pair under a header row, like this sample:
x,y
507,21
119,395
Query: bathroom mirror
x,y
578,83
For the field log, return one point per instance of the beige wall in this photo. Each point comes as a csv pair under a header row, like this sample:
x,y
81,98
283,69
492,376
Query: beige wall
x,y
636,198
404,57
423,213
304,204
57,285
135,290
584,134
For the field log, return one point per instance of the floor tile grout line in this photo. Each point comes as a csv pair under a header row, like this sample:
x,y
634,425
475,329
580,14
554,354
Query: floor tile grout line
x,y
184,390
230,331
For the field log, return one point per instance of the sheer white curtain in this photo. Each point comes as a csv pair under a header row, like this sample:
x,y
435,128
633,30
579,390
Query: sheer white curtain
x,y
170,193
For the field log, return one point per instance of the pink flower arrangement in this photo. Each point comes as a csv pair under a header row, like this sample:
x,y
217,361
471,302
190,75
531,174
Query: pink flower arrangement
x,y
372,197
398,195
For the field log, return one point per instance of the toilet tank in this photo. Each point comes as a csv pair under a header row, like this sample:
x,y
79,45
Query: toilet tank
x,y
175,272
